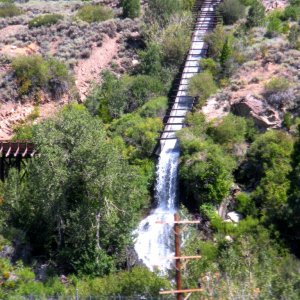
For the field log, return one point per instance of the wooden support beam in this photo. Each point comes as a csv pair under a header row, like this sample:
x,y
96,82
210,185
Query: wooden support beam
x,y
180,291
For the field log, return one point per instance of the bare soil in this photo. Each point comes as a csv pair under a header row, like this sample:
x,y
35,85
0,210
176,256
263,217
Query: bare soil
x,y
87,70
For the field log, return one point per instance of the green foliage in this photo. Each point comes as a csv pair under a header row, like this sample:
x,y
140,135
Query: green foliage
x,y
202,85
293,211
294,37
292,13
137,282
151,60
94,13
210,65
276,85
225,57
154,108
205,172
268,166
131,8
8,10
287,121
34,73
89,188
216,41
175,43
140,133
252,265
231,11
118,96
256,14
188,4
245,204
274,24
229,131
161,10
45,20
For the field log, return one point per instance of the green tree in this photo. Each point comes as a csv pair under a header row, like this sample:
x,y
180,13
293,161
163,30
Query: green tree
x,y
256,15
78,194
131,8
151,60
225,57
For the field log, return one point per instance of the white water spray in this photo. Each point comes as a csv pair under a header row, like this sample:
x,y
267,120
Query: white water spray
x,y
154,242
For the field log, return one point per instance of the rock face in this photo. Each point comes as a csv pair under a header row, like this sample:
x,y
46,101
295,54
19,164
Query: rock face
x,y
263,115
234,217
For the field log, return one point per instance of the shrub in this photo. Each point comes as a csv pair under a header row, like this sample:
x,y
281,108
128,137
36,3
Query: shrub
x,y
131,8
34,73
94,13
202,85
154,108
151,60
8,10
292,13
275,85
216,41
231,11
256,14
45,20
274,26
208,64
161,10
294,37
175,44
232,129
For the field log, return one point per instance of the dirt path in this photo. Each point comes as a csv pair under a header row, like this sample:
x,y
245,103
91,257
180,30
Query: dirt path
x,y
87,71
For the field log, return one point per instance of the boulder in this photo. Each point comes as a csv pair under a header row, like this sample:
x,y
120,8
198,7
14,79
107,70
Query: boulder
x,y
263,115
234,216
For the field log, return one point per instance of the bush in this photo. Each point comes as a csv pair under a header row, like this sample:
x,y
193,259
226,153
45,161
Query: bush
x,y
202,86
34,73
216,41
45,20
274,25
230,130
231,11
151,60
161,10
294,37
256,15
131,8
175,44
94,13
276,85
8,10
292,13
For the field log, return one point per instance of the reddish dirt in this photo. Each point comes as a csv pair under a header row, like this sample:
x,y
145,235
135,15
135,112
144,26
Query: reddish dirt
x,y
13,51
10,30
87,70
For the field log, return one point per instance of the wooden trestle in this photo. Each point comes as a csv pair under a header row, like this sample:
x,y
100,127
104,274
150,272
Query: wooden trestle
x,y
12,155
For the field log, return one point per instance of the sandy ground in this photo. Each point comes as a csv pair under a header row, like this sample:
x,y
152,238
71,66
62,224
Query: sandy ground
x,y
13,51
87,71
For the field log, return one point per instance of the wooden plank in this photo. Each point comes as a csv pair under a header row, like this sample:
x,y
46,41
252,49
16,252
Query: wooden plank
x,y
178,222
180,291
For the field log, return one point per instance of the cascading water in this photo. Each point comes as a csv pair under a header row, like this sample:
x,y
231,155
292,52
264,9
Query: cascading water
x,y
155,240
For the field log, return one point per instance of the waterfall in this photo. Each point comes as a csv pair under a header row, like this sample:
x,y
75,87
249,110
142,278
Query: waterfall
x,y
155,240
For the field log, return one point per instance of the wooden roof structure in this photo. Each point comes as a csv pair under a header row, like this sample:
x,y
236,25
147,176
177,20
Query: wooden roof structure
x,y
13,149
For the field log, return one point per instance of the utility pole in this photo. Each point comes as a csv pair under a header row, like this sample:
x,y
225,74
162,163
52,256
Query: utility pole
x,y
177,255
179,291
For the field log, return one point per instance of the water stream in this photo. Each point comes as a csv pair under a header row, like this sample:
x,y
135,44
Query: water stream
x,y
154,242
